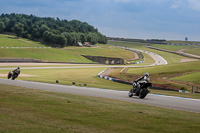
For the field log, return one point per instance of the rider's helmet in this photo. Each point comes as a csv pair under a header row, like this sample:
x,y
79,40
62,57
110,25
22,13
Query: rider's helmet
x,y
146,74
18,68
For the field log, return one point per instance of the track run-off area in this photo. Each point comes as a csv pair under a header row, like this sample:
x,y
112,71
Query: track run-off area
x,y
178,103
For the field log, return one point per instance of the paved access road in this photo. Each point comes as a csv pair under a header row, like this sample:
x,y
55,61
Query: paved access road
x,y
178,103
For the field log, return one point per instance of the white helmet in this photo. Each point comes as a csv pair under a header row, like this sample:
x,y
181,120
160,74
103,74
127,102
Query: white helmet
x,y
146,74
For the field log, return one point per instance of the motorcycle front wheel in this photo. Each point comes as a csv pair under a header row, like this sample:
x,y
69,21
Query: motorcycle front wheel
x,y
130,94
9,76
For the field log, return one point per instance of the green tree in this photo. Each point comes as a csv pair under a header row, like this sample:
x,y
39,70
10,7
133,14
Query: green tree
x,y
44,28
75,38
51,30
2,27
18,29
68,37
46,36
62,40
82,37
92,37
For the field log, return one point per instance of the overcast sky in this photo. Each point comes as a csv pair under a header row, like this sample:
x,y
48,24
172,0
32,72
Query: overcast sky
x,y
141,19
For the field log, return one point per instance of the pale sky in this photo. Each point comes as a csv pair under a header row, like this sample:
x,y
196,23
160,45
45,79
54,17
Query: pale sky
x,y
139,19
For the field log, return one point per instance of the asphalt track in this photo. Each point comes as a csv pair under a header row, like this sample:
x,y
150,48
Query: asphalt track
x,y
178,103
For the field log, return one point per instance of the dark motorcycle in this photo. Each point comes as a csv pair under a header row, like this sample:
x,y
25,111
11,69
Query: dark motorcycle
x,y
12,75
140,89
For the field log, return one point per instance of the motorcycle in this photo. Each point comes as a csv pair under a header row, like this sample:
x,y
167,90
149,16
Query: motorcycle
x,y
12,75
140,89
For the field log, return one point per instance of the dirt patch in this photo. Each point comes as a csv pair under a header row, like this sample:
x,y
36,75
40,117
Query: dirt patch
x,y
108,71
188,60
181,50
136,56
21,75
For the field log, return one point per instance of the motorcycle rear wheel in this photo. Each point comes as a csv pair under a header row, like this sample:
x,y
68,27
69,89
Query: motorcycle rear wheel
x,y
143,93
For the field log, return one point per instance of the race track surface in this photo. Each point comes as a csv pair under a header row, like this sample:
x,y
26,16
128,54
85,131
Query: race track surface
x,y
178,103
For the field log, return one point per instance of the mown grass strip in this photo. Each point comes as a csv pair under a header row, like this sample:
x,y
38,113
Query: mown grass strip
x,y
28,110
192,77
13,41
171,68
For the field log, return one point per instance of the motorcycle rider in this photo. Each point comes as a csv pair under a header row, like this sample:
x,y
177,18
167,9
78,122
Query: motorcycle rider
x,y
17,71
145,79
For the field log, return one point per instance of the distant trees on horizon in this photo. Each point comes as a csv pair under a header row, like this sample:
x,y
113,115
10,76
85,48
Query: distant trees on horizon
x,y
50,30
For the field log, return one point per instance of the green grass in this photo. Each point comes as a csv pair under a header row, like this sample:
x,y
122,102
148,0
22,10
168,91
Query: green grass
x,y
195,51
5,41
52,54
192,77
28,110
127,44
171,68
68,54
182,42
171,47
103,50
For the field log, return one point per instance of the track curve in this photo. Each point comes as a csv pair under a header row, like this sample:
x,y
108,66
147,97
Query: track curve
x,y
178,103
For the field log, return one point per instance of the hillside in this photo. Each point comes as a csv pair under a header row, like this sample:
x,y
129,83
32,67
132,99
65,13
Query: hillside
x,y
13,47
50,30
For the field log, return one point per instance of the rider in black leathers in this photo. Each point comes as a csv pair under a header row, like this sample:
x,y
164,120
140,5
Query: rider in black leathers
x,y
17,71
145,79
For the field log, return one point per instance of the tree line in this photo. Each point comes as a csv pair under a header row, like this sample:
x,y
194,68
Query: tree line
x,y
50,30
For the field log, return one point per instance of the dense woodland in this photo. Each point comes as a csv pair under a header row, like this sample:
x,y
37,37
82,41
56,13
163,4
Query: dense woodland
x,y
50,30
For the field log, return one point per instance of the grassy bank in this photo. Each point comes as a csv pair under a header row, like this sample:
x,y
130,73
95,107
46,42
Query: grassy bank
x,y
67,54
28,110
52,55
193,51
13,41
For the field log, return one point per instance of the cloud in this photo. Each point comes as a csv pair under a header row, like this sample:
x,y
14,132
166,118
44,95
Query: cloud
x,y
194,4
125,18
176,4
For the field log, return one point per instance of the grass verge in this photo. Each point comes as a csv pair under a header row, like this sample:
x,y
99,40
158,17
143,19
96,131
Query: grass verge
x,y
28,110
